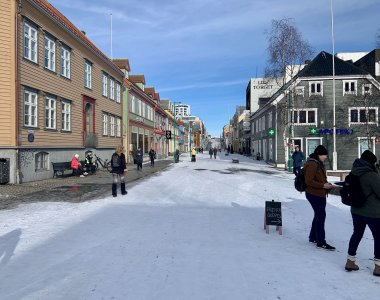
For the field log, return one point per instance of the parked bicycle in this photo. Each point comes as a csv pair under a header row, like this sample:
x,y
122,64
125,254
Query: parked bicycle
x,y
105,164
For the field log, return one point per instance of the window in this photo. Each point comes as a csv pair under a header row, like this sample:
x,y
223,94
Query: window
x,y
112,89
49,53
87,74
300,91
349,87
104,85
118,92
139,104
367,89
65,62
316,88
105,124
42,161
30,108
118,127
305,116
66,116
112,126
30,42
50,112
363,115
133,104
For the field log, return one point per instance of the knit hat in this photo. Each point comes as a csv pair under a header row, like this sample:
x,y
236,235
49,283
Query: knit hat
x,y
368,156
76,155
320,150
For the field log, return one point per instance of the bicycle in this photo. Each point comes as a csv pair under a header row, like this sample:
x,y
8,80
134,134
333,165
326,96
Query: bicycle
x,y
105,164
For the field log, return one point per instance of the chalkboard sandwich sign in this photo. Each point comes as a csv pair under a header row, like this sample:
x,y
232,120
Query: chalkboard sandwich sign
x,y
273,216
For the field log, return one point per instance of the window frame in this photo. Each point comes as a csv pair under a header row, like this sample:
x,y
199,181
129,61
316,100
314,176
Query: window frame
x,y
49,53
105,124
41,164
31,49
65,114
118,127
306,110
349,82
65,62
87,74
369,91
315,93
31,117
112,88
112,125
50,112
376,109
105,84
300,91
118,92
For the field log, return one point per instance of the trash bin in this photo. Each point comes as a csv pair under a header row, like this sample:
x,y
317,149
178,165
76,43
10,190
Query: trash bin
x,y
4,170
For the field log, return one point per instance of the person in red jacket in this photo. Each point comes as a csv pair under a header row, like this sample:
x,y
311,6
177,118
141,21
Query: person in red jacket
x,y
77,166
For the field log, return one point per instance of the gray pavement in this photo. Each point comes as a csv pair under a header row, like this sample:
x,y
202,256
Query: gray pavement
x,y
74,189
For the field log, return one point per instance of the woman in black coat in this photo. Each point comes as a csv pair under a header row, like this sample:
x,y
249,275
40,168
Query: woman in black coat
x,y
119,167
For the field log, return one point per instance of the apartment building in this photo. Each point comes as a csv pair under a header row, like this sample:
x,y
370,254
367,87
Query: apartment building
x,y
60,95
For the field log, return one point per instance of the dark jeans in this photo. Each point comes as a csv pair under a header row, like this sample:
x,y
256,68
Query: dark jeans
x,y
139,166
360,224
296,170
152,161
317,232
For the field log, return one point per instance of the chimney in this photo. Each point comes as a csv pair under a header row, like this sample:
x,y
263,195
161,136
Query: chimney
x,y
84,32
307,62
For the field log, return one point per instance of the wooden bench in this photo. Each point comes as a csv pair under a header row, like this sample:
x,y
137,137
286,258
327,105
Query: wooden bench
x,y
59,168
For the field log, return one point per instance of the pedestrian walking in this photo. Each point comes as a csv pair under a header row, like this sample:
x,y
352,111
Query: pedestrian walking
x,y
317,189
119,168
215,152
369,213
193,155
210,152
152,156
77,167
139,158
298,159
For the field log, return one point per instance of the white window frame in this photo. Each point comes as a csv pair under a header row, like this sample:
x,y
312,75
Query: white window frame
x,y
139,107
49,53
50,112
66,116
112,89
350,92
360,139
306,110
30,108
41,161
306,150
104,84
300,91
316,83
112,125
369,89
105,124
30,42
118,127
65,62
88,74
133,104
359,109
118,92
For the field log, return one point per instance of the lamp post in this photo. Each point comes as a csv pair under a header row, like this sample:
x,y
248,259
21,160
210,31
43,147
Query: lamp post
x,y
335,163
175,126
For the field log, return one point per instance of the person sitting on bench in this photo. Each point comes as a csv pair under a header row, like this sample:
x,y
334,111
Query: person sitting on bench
x,y
77,166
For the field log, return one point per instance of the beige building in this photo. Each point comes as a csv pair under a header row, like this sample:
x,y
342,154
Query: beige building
x,y
59,93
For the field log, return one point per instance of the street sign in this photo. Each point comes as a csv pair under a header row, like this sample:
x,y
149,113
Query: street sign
x,y
168,134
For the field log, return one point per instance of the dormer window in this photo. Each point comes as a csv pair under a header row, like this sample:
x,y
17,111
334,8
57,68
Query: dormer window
x,y
316,88
349,87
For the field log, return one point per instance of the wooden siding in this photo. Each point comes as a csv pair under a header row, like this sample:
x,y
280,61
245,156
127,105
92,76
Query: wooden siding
x,y
7,74
35,76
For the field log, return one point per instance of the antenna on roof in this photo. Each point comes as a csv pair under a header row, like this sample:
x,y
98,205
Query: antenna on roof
x,y
111,36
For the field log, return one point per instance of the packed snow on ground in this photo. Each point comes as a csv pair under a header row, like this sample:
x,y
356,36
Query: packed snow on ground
x,y
194,231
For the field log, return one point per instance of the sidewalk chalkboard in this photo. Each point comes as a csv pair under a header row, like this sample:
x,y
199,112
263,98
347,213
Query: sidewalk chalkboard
x,y
273,214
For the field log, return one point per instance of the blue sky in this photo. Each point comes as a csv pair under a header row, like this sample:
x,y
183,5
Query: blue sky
x,y
204,52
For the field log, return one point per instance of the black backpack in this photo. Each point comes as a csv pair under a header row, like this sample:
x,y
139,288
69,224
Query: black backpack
x,y
351,192
299,181
116,161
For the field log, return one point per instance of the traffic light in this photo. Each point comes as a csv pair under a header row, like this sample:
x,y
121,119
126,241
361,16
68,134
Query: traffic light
x,y
271,132
313,130
168,134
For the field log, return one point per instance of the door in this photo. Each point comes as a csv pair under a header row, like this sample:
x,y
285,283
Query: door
x,y
311,144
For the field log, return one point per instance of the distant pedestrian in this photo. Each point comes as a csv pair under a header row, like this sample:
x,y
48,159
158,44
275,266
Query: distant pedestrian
x,y
210,152
119,168
369,213
317,188
152,156
89,164
215,152
193,155
77,167
297,158
139,158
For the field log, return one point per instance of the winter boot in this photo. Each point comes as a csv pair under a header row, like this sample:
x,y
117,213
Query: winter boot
x,y
376,271
114,189
123,191
350,264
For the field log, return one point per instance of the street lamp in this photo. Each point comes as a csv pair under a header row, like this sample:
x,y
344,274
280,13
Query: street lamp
x,y
175,126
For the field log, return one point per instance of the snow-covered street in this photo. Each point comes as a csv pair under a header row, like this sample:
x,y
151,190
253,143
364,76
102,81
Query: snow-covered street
x,y
194,231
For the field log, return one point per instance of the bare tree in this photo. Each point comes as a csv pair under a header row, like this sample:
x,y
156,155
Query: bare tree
x,y
287,52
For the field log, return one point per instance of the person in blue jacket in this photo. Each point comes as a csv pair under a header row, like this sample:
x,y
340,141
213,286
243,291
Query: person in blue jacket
x,y
298,158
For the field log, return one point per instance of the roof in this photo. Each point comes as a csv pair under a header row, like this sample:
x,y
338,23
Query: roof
x,y
322,65
368,62
56,15
137,78
150,91
122,63
156,97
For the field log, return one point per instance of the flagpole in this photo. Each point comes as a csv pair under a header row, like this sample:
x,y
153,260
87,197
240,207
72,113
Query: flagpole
x,y
335,163
111,37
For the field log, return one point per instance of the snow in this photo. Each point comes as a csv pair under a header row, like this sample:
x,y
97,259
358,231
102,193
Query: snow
x,y
194,231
